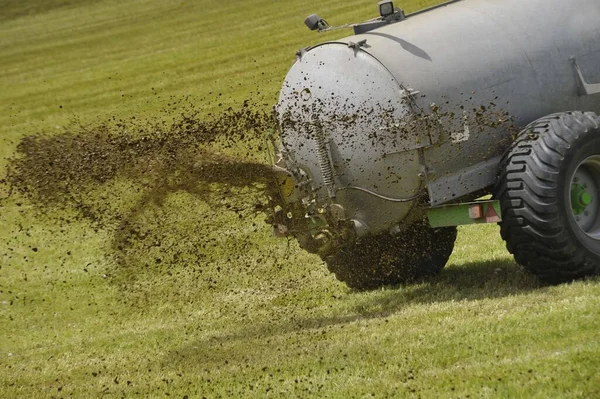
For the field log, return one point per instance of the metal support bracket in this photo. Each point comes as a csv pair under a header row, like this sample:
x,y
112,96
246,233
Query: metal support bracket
x,y
300,53
585,88
358,45
464,181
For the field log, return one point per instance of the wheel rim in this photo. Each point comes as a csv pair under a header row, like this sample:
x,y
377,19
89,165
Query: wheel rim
x,y
584,196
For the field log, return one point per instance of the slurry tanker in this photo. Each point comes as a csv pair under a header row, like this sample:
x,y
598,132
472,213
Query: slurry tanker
x,y
473,111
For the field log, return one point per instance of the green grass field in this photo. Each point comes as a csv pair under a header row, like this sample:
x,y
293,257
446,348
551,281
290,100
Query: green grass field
x,y
85,313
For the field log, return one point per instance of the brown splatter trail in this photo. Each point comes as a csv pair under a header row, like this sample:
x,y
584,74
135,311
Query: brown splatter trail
x,y
54,169
134,178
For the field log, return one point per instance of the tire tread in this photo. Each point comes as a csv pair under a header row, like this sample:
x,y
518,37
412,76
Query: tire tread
x,y
529,197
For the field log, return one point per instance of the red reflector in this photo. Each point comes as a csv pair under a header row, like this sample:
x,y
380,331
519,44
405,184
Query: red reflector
x,y
491,216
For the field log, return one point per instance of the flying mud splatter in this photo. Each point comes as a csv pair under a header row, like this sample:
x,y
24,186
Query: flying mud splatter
x,y
58,169
155,185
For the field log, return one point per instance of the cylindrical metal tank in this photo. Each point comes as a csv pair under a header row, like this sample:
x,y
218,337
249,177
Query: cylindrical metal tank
x,y
429,103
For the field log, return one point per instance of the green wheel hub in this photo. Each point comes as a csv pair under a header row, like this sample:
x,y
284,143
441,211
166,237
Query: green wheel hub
x,y
580,198
583,198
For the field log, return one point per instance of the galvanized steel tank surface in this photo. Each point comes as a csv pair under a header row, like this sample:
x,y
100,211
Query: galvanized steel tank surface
x,y
433,100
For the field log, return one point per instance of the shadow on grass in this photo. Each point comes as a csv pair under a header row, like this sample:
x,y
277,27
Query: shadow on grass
x,y
466,282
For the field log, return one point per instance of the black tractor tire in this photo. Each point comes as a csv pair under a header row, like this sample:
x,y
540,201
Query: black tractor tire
x,y
390,259
540,220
